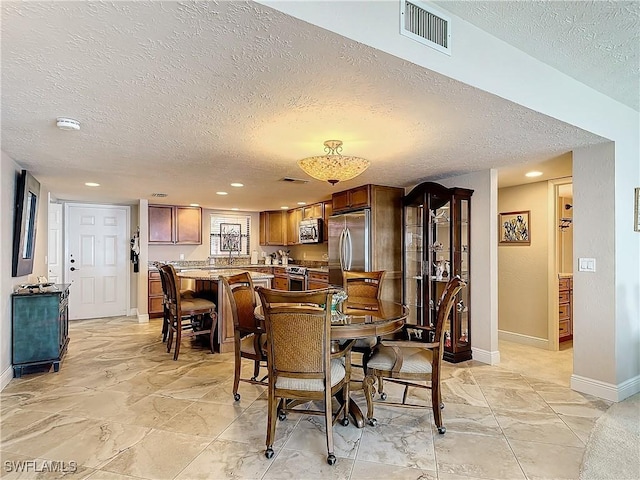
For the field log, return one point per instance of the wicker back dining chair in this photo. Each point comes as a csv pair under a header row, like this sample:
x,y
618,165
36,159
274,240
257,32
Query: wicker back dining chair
x,y
249,336
186,317
184,294
299,359
408,362
363,285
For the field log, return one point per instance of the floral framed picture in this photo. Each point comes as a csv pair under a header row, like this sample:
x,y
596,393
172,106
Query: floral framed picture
x,y
515,228
230,237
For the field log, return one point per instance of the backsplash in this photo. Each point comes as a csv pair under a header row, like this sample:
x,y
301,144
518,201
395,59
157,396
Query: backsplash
x,y
235,261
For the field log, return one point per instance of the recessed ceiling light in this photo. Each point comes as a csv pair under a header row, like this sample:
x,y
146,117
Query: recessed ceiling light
x,y
533,174
92,184
235,209
284,207
302,203
194,204
237,185
222,193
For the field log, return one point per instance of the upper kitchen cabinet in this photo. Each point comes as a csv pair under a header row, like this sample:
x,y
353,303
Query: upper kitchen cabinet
x,y
273,228
437,246
170,224
312,211
293,226
327,212
354,199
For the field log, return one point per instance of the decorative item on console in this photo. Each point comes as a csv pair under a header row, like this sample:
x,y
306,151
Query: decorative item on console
x,y
284,256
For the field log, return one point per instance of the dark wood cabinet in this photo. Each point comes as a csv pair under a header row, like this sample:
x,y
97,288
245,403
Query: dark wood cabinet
x,y
565,308
40,328
171,224
437,246
318,280
327,211
359,197
156,296
273,227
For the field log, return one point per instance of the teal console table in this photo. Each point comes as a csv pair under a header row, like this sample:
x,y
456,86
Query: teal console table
x,y
40,327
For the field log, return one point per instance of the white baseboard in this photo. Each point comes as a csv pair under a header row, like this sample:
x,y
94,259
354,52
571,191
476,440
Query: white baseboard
x,y
142,317
485,356
608,391
523,339
6,377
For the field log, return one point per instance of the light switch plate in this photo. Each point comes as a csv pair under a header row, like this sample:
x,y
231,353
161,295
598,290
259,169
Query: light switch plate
x,y
586,264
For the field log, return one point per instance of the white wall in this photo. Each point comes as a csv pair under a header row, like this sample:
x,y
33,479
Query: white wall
x,y
8,172
523,298
481,60
484,262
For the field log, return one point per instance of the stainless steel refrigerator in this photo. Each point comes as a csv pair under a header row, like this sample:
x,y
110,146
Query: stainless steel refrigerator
x,y
349,244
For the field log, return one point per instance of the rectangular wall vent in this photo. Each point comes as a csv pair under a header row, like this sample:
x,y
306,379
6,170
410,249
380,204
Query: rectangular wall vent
x,y
159,195
425,24
293,180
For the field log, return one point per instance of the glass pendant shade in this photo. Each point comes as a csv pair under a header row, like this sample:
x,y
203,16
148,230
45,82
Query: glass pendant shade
x,y
333,167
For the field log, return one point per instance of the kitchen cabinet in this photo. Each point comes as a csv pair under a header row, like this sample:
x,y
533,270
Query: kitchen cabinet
x,y
280,278
294,217
273,229
155,296
437,246
354,199
565,307
40,328
317,280
171,224
312,211
327,210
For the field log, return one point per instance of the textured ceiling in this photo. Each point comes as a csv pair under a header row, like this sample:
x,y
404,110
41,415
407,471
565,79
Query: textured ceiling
x,y
595,42
184,98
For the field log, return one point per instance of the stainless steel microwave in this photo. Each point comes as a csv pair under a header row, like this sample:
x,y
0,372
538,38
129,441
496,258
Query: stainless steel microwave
x,y
311,230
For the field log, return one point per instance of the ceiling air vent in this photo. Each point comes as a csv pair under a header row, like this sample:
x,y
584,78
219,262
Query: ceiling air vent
x,y
293,180
425,24
159,195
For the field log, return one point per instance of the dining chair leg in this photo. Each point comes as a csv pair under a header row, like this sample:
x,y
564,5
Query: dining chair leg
x,y
236,374
176,351
214,325
256,370
169,339
436,401
328,419
271,425
367,386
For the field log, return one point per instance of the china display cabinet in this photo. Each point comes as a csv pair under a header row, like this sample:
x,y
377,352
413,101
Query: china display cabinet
x,y
436,246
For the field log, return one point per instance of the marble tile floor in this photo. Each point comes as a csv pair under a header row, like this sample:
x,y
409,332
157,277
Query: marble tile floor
x,y
121,408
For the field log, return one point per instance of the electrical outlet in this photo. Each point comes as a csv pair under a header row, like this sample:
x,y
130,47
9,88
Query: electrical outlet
x,y
182,256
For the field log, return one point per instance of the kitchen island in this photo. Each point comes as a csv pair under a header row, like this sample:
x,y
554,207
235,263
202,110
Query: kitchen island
x,y
207,284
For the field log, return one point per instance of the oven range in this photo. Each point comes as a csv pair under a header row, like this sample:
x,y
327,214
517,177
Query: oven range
x,y
297,277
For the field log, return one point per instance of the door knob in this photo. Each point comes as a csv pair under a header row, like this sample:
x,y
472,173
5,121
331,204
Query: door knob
x,y
73,269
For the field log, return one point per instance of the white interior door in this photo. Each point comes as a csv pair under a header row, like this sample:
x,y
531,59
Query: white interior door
x,y
54,240
96,260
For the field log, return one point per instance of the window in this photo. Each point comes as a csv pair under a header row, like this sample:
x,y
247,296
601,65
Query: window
x,y
230,234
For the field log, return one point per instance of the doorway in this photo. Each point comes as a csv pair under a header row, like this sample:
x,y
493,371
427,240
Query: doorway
x,y
96,260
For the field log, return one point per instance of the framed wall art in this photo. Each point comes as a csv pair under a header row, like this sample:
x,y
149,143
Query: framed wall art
x,y
515,228
230,237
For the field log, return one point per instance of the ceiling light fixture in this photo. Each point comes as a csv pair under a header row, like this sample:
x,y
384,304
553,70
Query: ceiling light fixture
x,y
222,193
237,184
302,203
333,167
284,207
64,123
533,174
194,204
92,184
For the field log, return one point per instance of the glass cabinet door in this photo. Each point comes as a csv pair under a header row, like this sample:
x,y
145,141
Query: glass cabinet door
x,y
437,240
414,263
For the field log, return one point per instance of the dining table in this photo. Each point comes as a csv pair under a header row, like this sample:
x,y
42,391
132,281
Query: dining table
x,y
361,317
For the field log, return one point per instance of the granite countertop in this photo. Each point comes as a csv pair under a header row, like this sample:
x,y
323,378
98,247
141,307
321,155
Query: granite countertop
x,y
212,274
